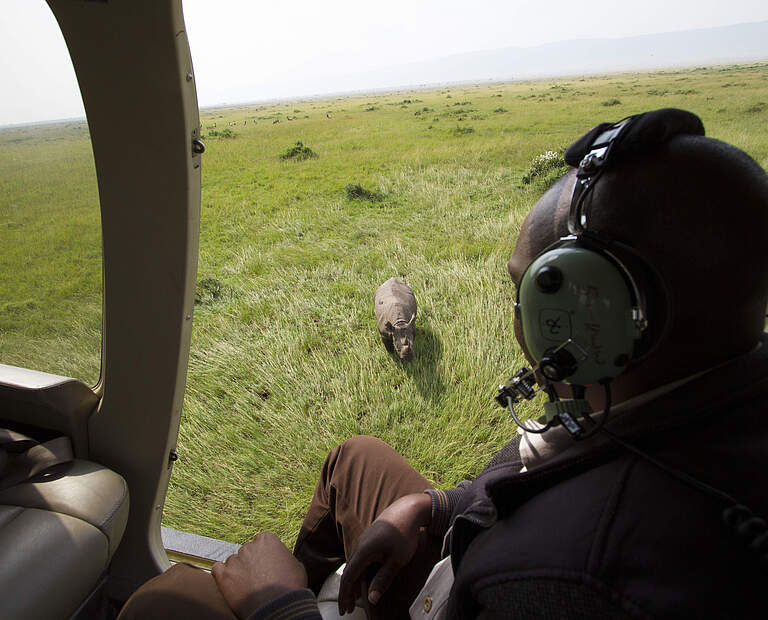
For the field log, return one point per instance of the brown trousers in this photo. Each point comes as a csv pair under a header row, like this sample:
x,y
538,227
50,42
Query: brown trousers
x,y
359,479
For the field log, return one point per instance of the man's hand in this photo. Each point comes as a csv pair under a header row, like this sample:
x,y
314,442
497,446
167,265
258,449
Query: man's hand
x,y
258,573
391,540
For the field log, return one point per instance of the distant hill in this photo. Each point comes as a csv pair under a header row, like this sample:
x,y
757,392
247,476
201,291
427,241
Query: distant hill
x,y
738,43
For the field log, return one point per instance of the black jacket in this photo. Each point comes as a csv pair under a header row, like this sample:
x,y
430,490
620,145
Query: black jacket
x,y
600,532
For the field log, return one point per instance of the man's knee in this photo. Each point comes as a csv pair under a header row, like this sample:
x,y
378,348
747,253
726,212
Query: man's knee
x,y
356,453
363,445
355,459
180,592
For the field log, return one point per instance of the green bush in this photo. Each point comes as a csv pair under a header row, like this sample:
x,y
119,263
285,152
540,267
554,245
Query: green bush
x,y
298,152
224,133
611,102
545,169
355,191
460,130
208,291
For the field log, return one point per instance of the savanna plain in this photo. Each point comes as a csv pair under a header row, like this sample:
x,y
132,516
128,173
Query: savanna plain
x,y
308,206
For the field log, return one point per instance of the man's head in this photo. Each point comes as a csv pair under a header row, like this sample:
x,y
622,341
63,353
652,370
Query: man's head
x,y
696,210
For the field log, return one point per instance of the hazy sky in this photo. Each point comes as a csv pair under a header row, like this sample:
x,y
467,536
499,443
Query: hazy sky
x,y
246,50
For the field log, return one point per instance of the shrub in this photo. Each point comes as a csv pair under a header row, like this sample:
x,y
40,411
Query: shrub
x,y
208,290
298,152
611,102
545,169
459,112
758,107
460,130
500,110
355,191
224,133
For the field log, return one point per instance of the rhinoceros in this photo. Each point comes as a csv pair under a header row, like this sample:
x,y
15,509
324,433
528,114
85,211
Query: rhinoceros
x,y
395,306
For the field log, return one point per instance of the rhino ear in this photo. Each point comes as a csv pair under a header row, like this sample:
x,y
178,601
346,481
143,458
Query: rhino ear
x,y
388,327
413,318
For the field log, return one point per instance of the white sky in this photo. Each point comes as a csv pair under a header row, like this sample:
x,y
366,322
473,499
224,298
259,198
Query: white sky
x,y
246,50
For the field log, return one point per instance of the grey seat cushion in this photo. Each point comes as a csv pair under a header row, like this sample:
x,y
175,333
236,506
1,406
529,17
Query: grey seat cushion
x,y
81,489
49,562
58,532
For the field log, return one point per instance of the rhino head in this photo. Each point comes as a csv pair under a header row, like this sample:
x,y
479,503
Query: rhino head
x,y
402,337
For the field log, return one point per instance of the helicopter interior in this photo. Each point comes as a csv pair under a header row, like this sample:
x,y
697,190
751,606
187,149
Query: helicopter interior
x,y
96,506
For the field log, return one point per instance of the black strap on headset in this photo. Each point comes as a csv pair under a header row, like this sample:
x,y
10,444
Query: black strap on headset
x,y
589,170
647,131
606,142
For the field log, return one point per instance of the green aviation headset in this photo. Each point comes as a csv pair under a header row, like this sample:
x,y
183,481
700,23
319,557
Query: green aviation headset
x,y
579,306
582,303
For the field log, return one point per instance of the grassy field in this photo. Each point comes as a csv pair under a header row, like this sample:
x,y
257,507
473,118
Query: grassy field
x,y
286,362
50,250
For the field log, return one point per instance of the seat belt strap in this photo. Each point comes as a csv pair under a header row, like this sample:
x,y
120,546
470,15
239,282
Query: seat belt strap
x,y
22,458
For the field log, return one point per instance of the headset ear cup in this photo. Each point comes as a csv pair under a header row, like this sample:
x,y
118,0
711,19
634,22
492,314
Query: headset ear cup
x,y
650,294
590,311
653,298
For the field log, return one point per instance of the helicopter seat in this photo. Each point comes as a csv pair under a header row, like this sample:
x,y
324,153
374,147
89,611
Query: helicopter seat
x,y
58,532
61,517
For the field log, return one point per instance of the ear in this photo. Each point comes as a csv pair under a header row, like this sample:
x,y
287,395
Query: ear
x,y
413,318
388,327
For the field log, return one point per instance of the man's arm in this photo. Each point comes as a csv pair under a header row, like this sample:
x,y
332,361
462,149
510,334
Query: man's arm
x,y
390,541
443,505
295,605
263,580
444,502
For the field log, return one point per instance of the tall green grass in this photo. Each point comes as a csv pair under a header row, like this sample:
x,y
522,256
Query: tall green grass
x,y
286,361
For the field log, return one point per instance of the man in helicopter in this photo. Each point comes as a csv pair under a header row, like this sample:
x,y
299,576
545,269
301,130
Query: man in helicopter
x,y
642,281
